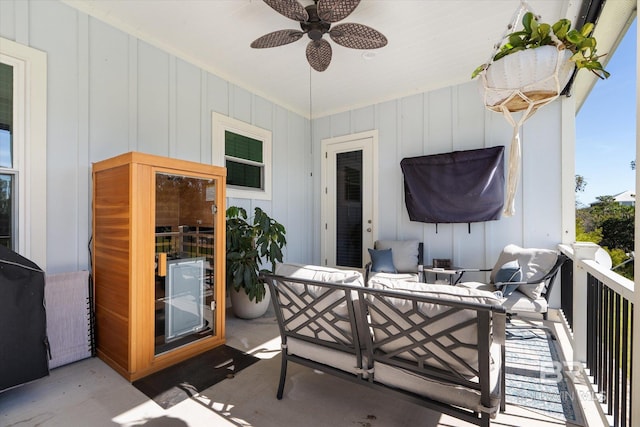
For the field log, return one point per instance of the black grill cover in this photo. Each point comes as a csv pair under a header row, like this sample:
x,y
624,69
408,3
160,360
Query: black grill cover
x,y
462,186
23,323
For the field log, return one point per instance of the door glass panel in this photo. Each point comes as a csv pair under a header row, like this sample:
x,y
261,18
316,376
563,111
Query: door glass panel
x,y
184,241
349,209
7,181
6,116
6,210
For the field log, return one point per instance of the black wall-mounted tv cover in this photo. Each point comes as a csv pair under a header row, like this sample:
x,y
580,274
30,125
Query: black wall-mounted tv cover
x,y
461,186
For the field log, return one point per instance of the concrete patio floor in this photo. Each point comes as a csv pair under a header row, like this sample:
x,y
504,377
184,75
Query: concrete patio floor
x,y
89,393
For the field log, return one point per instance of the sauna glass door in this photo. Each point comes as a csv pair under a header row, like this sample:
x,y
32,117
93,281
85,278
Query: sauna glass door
x,y
184,243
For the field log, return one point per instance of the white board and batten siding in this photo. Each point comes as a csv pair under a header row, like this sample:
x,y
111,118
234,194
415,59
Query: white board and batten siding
x,y
110,92
452,119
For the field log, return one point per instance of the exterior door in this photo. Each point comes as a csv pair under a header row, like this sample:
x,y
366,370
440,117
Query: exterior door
x,y
349,182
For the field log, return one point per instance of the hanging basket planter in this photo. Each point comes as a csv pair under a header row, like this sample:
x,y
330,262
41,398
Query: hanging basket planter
x,y
529,69
532,75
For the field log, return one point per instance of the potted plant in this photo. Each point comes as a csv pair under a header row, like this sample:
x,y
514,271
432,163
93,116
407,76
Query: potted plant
x,y
249,243
531,58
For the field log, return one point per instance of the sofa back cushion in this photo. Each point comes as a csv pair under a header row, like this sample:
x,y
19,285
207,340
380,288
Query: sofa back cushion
x,y
535,263
441,335
320,273
405,254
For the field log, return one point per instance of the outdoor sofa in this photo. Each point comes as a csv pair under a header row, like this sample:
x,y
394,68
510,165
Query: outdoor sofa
x,y
438,346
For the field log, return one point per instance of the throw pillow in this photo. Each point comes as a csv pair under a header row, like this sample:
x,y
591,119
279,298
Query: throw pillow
x,y
382,261
509,272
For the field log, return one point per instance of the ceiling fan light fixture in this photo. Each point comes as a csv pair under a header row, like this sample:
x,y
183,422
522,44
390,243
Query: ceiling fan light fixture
x,y
315,34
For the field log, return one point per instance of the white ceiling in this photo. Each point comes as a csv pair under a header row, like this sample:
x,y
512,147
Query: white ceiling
x,y
432,44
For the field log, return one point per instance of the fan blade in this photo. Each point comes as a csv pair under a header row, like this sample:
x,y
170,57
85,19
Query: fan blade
x,y
357,36
277,38
319,54
292,9
336,10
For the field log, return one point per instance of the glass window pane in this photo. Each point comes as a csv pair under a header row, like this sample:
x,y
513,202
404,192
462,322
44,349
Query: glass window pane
x,y
6,210
6,115
242,147
244,175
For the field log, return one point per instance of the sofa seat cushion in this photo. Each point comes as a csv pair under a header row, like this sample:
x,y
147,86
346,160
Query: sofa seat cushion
x,y
487,287
395,277
442,337
519,303
327,356
458,293
443,391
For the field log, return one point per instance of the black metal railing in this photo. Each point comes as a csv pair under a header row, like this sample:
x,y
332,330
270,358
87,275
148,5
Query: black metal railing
x,y
609,351
566,291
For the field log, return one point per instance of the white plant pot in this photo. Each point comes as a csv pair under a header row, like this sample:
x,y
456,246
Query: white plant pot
x,y
531,72
244,308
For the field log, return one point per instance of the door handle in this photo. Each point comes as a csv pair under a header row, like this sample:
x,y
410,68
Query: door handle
x,y
162,264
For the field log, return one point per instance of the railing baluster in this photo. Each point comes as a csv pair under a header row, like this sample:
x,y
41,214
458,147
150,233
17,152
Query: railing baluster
x,y
566,293
610,377
625,362
591,325
631,328
601,341
617,337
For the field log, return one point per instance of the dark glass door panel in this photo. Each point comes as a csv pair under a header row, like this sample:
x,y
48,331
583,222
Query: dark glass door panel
x,y
349,209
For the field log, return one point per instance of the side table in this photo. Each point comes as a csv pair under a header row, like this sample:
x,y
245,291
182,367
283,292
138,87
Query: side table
x,y
454,274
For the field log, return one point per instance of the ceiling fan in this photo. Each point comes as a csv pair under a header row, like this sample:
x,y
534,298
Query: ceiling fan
x,y
315,21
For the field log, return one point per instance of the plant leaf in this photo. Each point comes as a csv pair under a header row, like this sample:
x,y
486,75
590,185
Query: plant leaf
x,y
575,37
526,21
587,29
561,28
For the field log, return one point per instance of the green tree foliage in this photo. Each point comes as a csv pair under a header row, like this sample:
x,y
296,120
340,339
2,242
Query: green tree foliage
x,y
618,233
621,262
581,183
594,236
611,225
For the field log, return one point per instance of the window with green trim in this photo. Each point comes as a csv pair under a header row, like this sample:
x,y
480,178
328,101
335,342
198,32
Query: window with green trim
x,y
245,150
244,161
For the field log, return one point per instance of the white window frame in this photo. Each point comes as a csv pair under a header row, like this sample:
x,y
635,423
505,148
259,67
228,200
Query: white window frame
x,y
29,147
219,125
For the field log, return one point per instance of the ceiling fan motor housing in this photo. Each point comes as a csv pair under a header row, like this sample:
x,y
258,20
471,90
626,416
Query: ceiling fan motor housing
x,y
314,27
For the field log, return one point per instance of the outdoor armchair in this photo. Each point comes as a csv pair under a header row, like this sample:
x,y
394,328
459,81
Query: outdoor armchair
x,y
524,277
396,259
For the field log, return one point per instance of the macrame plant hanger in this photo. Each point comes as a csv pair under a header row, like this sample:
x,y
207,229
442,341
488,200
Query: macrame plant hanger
x,y
523,101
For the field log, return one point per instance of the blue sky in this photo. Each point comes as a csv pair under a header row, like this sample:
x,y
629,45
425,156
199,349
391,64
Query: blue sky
x,y
606,127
